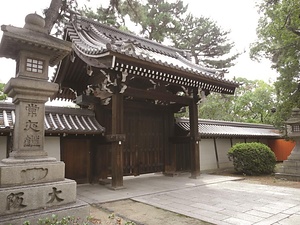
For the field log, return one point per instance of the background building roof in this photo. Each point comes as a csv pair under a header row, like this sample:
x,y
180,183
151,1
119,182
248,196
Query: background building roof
x,y
63,120
58,120
215,128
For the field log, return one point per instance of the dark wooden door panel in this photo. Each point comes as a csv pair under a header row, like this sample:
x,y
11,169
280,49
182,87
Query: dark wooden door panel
x,y
144,148
75,155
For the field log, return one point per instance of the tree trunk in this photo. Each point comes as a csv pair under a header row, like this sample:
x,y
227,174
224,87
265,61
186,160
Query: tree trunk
x,y
52,14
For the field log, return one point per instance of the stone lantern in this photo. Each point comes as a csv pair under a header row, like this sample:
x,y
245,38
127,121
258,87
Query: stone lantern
x,y
290,169
33,185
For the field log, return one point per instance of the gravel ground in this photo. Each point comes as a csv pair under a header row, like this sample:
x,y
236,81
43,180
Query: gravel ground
x,y
130,212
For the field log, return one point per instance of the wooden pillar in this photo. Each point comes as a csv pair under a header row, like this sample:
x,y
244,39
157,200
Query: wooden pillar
x,y
118,142
194,138
170,145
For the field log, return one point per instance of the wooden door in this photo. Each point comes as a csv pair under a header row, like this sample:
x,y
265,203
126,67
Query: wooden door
x,y
75,155
151,145
145,142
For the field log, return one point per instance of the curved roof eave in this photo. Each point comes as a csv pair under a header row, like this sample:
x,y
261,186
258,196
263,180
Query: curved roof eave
x,y
90,41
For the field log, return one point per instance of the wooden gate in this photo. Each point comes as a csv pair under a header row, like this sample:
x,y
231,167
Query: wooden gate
x,y
75,155
145,142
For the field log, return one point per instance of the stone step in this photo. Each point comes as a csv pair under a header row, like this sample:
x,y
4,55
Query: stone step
x,y
38,196
295,155
290,170
288,176
291,163
79,209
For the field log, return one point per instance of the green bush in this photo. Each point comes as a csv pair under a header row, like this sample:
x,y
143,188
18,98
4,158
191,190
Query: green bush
x,y
252,158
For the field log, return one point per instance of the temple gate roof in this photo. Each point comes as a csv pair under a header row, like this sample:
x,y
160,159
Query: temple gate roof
x,y
98,47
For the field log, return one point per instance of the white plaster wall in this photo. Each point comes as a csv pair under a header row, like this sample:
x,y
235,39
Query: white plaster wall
x,y
208,159
3,147
52,147
223,146
234,141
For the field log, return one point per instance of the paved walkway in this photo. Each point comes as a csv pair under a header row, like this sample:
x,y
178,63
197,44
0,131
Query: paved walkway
x,y
211,198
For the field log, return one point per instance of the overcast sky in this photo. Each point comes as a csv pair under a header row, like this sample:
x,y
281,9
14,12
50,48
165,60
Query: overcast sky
x,y
238,16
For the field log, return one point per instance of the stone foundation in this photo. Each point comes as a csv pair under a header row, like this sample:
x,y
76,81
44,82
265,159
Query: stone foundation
x,y
78,209
33,185
34,190
30,173
39,196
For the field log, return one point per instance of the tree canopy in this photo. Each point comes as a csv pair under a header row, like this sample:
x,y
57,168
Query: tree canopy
x,y
155,20
169,22
253,102
278,32
207,42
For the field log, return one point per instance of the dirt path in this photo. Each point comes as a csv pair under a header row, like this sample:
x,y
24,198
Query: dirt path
x,y
126,211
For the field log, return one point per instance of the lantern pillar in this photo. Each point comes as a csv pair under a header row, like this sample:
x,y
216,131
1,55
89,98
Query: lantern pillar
x,y
290,169
32,184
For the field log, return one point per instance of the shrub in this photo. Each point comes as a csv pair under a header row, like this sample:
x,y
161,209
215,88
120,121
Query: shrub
x,y
252,158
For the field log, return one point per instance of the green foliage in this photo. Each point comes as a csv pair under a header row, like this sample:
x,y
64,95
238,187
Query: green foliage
x,y
156,19
252,158
210,107
54,220
278,33
2,95
109,15
253,102
207,42
162,20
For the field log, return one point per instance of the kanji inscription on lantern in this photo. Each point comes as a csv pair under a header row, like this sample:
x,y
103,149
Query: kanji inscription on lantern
x,y
54,195
32,109
15,201
30,125
32,141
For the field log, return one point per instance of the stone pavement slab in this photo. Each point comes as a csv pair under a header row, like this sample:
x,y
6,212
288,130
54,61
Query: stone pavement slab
x,y
212,198
144,185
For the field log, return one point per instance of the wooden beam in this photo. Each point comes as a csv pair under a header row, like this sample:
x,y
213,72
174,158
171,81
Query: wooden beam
x,y
155,95
123,58
117,146
194,138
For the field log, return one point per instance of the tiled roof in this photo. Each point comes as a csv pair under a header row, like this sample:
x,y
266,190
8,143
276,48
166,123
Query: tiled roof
x,y
94,40
214,128
58,120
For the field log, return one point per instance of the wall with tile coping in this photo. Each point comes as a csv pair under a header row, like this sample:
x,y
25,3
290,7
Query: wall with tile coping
x,y
52,146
